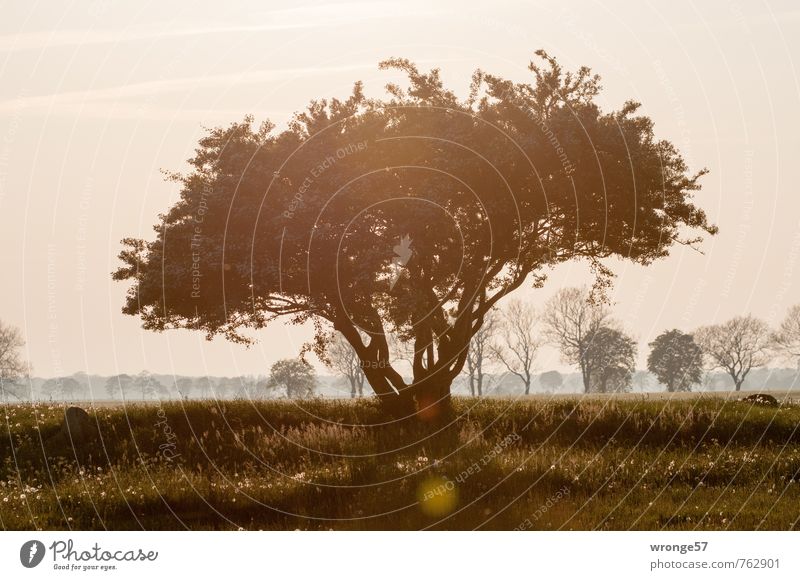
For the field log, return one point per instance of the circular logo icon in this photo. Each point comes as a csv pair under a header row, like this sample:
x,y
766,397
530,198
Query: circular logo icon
x,y
31,553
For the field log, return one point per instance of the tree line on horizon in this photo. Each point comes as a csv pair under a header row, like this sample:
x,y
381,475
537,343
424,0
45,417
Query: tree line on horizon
x,y
590,339
504,349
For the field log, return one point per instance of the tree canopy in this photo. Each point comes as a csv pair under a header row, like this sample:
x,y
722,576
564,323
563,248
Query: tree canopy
x,y
676,359
410,214
296,376
610,356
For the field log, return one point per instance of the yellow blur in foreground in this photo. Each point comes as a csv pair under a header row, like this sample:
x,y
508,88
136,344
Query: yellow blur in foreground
x,y
438,496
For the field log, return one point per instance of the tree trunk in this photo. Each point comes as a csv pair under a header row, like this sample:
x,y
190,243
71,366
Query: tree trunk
x,y
585,376
428,400
433,399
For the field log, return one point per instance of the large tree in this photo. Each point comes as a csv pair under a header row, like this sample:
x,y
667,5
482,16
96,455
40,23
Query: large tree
x,y
737,346
413,214
676,359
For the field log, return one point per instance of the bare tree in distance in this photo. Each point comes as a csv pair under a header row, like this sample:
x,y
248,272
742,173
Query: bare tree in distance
x,y
12,366
570,318
786,340
519,344
610,358
480,355
344,360
737,346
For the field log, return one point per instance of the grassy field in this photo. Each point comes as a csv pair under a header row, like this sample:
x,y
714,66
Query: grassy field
x,y
564,463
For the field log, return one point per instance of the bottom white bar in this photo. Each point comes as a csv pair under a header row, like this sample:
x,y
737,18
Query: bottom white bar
x,y
389,555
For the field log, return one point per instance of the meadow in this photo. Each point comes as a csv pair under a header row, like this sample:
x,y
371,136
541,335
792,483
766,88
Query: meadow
x,y
567,463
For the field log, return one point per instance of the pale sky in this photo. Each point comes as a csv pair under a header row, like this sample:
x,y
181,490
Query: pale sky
x,y
97,97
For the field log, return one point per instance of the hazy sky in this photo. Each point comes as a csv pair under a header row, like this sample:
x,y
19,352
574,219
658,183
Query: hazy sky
x,y
97,97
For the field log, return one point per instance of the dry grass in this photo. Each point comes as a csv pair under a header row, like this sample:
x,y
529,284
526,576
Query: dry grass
x,y
566,463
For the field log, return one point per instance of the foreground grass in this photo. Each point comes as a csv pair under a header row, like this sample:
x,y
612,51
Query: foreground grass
x,y
703,463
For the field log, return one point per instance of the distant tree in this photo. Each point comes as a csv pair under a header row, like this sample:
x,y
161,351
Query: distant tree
x,y
118,385
488,192
261,386
715,381
344,360
296,376
65,388
642,380
786,340
229,387
676,360
149,386
251,386
519,344
203,387
184,386
737,346
610,357
12,366
481,356
570,318
551,381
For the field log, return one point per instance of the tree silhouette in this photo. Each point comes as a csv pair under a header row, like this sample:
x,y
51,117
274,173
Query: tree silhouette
x,y
296,376
570,319
12,366
676,359
610,356
480,195
344,360
65,388
184,386
737,346
519,344
551,381
481,353
786,340
119,385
